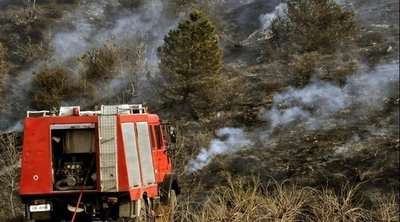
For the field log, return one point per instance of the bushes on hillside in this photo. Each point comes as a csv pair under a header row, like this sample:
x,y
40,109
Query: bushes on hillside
x,y
310,26
310,35
99,64
111,72
50,86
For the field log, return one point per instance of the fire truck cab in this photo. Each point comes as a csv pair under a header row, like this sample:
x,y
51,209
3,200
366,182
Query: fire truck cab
x,y
106,165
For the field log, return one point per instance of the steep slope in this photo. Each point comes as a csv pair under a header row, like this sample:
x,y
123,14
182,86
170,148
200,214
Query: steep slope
x,y
298,133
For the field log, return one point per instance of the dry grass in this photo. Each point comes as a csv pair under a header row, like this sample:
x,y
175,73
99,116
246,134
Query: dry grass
x,y
246,199
342,206
387,207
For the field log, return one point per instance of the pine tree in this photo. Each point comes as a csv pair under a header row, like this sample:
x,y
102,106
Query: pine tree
x,y
191,63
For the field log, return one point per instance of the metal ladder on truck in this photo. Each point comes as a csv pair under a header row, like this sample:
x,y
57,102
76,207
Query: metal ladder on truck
x,y
108,146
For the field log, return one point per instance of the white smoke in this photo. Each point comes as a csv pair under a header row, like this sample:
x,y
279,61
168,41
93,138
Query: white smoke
x,y
316,102
317,105
266,19
280,11
89,26
341,150
17,127
341,2
314,107
93,26
226,5
230,140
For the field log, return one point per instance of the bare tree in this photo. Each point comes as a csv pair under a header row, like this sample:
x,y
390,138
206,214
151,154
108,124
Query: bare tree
x,y
3,66
9,173
31,9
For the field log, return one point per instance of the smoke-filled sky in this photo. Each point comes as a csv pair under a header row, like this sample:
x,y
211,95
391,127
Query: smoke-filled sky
x,y
95,22
92,23
316,106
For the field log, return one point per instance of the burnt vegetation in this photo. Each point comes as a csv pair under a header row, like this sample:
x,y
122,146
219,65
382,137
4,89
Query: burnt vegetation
x,y
211,72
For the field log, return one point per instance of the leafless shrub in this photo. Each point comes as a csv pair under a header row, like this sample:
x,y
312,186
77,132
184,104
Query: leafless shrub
x,y
31,51
3,67
112,72
9,164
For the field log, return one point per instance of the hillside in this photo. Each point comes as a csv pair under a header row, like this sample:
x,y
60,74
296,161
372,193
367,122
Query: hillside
x,y
295,125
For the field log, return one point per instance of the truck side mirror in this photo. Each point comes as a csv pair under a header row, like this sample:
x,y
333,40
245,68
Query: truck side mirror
x,y
172,134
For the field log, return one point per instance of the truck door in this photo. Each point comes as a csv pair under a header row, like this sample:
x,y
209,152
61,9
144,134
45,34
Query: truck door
x,y
162,162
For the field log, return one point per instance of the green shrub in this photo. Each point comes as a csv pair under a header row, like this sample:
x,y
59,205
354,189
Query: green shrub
x,y
311,25
50,87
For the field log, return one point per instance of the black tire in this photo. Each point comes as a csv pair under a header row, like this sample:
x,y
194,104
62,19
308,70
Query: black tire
x,y
146,211
172,204
165,212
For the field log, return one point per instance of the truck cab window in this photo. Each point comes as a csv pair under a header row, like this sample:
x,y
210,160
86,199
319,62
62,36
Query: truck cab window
x,y
159,138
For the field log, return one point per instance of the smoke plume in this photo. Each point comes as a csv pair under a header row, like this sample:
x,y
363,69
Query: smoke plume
x,y
229,140
97,22
90,25
280,11
266,19
319,105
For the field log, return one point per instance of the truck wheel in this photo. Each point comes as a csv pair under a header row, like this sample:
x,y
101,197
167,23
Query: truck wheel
x,y
171,205
146,210
165,212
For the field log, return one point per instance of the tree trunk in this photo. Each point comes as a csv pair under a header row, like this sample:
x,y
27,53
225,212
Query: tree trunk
x,y
11,198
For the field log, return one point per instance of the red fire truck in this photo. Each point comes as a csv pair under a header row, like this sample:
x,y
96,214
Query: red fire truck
x,y
106,165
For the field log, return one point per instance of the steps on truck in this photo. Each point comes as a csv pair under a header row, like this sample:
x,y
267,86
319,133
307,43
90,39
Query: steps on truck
x,y
108,149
